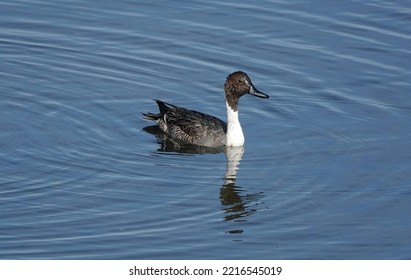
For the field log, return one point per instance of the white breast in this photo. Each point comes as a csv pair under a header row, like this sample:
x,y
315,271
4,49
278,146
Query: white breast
x,y
235,136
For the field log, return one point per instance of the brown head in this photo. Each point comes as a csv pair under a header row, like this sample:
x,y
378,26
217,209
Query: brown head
x,y
238,84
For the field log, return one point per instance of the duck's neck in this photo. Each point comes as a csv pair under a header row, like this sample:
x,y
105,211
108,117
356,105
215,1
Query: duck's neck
x,y
235,136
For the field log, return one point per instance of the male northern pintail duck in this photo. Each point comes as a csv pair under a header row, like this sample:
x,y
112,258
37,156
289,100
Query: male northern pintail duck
x,y
204,130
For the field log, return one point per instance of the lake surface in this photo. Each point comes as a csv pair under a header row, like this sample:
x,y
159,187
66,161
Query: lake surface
x,y
325,172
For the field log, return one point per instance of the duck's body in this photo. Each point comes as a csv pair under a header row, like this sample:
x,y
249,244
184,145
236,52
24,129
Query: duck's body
x,y
205,130
189,126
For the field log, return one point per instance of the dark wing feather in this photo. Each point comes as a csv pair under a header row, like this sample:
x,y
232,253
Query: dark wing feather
x,y
191,125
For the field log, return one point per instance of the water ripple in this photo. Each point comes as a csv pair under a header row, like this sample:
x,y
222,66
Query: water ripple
x,y
326,164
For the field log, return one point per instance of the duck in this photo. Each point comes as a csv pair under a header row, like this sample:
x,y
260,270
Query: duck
x,y
197,128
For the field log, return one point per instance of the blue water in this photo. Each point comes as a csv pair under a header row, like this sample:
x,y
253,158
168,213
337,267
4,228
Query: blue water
x,y
326,169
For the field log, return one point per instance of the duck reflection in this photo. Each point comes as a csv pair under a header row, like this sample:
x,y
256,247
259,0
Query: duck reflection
x,y
235,204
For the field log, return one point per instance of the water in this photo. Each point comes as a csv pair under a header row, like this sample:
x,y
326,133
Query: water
x,y
325,171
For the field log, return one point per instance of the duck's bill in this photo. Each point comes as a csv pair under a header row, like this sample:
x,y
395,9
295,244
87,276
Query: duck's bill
x,y
256,92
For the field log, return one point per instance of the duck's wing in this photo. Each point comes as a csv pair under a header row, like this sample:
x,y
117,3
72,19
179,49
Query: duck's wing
x,y
189,125
194,127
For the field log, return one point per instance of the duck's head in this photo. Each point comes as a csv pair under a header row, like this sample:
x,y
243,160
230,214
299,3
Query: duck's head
x,y
237,84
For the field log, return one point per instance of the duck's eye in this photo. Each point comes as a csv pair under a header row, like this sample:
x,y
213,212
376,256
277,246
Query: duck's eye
x,y
240,81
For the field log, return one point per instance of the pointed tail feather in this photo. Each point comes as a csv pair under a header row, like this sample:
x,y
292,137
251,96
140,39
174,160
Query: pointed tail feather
x,y
151,116
162,106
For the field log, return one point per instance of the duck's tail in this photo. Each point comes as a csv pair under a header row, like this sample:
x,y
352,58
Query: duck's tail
x,y
151,116
162,106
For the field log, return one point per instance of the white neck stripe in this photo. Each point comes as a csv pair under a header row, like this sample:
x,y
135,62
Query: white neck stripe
x,y
235,136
